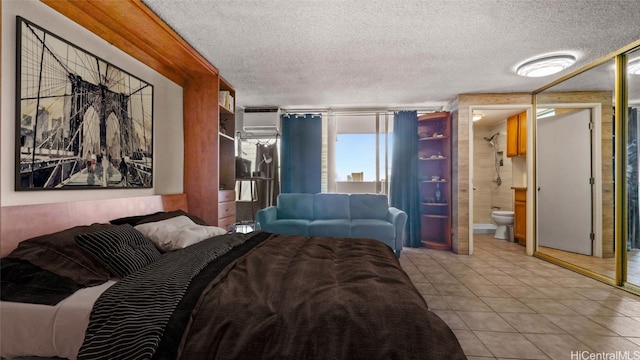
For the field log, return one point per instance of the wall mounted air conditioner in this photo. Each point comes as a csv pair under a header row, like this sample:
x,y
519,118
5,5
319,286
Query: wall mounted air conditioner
x,y
262,122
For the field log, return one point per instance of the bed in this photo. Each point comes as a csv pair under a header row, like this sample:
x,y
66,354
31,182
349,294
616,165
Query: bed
x,y
147,290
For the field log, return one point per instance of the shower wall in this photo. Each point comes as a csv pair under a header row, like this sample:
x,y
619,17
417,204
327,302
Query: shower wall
x,y
488,195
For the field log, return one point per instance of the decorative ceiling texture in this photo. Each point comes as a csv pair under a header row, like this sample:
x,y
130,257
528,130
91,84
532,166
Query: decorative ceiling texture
x,y
392,53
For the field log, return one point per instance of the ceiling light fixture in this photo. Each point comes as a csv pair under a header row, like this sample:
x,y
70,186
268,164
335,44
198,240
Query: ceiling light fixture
x,y
545,66
477,116
633,67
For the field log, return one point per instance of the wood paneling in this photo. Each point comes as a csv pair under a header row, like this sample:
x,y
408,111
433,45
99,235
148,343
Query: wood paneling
x,y
132,27
25,221
201,147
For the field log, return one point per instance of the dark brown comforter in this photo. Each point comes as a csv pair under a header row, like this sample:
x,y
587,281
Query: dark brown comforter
x,y
292,297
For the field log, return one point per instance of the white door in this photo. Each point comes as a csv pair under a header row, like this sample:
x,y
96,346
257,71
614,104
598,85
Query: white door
x,y
564,189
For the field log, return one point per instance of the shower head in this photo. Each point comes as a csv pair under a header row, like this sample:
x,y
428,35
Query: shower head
x,y
490,139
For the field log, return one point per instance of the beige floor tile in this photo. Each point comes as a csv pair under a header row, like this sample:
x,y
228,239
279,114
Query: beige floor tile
x,y
466,303
444,278
558,347
578,324
548,306
470,343
452,289
531,323
522,292
635,340
452,319
573,282
506,305
510,345
488,321
623,306
489,290
536,281
622,325
425,288
560,293
589,307
474,280
502,304
436,302
504,280
608,344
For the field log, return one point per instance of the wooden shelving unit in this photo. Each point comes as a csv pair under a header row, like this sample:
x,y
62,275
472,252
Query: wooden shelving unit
x,y
434,176
226,154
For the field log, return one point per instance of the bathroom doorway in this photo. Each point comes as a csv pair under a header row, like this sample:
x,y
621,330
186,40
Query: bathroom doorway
x,y
493,175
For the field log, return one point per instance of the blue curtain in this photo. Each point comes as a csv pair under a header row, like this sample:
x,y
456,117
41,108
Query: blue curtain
x,y
301,147
404,173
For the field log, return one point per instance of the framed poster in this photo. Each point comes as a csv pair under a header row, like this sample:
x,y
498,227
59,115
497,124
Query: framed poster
x,y
81,122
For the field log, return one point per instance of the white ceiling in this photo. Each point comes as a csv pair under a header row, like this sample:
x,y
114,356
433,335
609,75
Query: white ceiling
x,y
391,53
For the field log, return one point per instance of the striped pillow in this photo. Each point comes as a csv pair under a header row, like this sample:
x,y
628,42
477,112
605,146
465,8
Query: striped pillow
x,y
122,249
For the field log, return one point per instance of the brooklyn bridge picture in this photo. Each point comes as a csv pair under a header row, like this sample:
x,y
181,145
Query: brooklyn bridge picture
x,y
82,123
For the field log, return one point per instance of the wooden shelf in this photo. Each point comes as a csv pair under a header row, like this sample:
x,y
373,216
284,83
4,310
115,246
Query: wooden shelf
x,y
434,153
437,216
436,245
226,153
224,110
227,137
430,138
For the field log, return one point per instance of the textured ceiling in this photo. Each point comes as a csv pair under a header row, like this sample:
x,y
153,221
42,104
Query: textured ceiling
x,y
392,53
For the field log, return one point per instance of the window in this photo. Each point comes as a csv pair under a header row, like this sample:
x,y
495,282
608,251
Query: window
x,y
362,153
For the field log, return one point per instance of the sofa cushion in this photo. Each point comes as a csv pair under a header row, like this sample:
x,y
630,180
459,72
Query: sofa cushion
x,y
369,206
295,206
374,229
331,206
330,227
289,227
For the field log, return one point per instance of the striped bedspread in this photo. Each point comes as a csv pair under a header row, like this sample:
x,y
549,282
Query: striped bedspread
x,y
128,320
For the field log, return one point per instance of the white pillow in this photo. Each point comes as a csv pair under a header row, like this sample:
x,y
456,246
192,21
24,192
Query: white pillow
x,y
177,233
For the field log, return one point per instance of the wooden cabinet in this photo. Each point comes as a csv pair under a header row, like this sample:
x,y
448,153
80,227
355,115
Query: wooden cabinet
x,y
517,135
226,155
226,208
520,216
434,176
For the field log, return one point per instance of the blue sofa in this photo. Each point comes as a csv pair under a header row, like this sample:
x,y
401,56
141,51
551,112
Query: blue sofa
x,y
336,215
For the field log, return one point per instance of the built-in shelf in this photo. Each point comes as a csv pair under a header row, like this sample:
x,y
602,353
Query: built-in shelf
x,y
225,136
226,154
434,153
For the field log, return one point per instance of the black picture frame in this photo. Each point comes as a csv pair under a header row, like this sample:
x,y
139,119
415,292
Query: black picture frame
x,y
81,122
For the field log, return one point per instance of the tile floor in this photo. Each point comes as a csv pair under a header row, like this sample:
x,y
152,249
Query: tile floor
x,y
502,304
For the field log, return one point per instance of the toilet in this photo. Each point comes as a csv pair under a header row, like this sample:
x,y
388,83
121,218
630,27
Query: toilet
x,y
502,219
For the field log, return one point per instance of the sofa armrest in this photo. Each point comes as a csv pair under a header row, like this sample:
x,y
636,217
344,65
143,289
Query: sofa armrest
x,y
399,219
266,216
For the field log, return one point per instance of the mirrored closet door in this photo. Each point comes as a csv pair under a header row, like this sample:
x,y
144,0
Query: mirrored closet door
x,y
574,172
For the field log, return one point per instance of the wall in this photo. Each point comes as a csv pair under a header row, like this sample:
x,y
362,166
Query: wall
x,y
168,109
487,194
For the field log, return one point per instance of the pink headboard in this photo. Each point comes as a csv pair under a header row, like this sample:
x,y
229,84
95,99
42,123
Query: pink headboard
x,y
21,222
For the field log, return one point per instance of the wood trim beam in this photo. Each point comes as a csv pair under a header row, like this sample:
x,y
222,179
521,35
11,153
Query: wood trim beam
x,y
132,27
